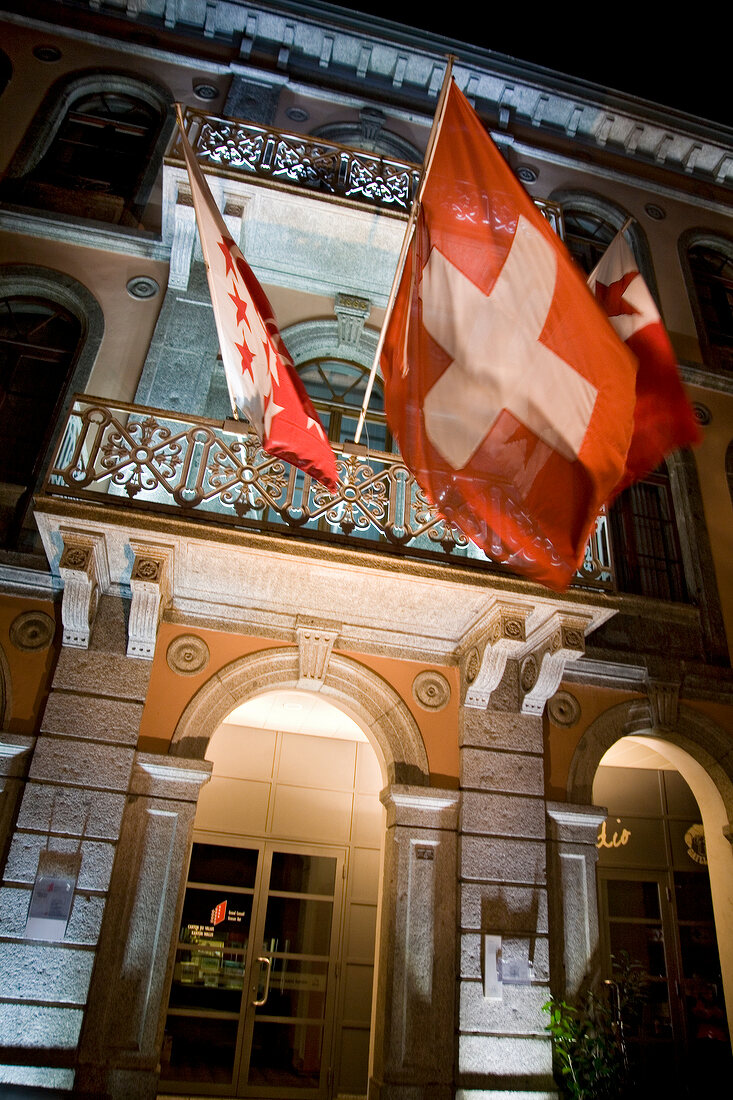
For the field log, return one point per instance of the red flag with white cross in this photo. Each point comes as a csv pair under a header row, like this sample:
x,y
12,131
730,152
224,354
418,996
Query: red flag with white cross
x,y
510,395
663,417
263,383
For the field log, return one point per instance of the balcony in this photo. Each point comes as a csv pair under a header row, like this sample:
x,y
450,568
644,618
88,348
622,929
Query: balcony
x,y
245,150
200,470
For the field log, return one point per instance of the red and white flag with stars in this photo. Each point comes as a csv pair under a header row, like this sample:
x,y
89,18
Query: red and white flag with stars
x,y
263,383
663,417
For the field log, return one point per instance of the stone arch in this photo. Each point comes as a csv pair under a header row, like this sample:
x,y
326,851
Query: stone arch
x,y
320,339
694,733
350,686
703,754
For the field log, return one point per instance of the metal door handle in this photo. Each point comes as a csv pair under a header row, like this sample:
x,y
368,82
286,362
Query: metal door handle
x,y
268,962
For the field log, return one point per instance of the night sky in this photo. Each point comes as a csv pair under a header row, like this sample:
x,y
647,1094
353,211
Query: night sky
x,y
671,61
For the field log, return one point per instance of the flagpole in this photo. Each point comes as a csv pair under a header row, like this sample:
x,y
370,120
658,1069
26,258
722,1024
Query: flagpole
x,y
189,156
407,239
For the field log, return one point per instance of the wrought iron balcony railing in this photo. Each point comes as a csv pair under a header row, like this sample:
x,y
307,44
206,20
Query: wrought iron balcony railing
x,y
322,167
126,455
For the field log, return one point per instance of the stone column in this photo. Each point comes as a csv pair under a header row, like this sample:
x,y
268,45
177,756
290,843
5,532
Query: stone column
x,y
503,1049
413,1019
573,895
123,1025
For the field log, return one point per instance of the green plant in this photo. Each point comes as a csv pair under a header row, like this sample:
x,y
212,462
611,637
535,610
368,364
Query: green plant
x,y
590,1037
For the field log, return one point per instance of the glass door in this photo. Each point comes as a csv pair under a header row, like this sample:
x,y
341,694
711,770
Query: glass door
x,y
214,955
253,992
290,1012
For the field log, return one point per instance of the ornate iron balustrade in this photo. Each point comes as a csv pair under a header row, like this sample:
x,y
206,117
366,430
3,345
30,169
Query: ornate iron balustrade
x,y
323,167
123,455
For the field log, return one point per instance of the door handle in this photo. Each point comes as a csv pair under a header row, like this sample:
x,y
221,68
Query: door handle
x,y
268,963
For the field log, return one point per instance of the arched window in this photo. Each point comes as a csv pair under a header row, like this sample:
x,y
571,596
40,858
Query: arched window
x,y
336,388
587,236
591,222
709,266
50,331
369,134
94,149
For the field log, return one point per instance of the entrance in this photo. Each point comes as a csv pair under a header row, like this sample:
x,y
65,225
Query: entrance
x,y
274,967
252,997
656,909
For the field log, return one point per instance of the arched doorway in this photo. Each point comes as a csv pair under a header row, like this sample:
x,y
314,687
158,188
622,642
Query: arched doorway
x,y
656,910
273,978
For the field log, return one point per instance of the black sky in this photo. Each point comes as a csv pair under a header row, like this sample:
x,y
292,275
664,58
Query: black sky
x,y
675,62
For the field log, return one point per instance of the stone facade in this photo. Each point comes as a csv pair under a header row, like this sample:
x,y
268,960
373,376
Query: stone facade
x,y
136,617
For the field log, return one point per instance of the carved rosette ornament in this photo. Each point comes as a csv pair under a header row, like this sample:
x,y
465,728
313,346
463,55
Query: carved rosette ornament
x,y
564,640
32,630
431,690
563,709
505,638
187,655
315,644
79,570
150,588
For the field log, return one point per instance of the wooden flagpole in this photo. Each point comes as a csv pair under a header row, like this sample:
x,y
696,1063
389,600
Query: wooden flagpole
x,y
407,239
186,145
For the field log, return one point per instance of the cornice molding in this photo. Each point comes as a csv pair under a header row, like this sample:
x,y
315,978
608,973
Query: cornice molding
x,y
387,60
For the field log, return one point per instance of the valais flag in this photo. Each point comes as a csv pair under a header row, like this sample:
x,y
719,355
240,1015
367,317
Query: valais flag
x,y
511,396
663,417
260,374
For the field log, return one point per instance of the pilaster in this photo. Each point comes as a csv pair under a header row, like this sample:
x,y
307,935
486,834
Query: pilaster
x,y
504,977
413,1018
573,894
123,1026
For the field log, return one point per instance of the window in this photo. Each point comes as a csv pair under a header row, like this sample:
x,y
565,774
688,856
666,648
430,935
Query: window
x,y
587,236
93,150
711,274
38,345
647,554
337,388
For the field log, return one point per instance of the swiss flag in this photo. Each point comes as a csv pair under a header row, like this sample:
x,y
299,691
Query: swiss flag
x,y
663,417
263,383
511,396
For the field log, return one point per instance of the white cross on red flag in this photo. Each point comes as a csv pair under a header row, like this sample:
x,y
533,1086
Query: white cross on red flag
x,y
262,381
663,417
510,395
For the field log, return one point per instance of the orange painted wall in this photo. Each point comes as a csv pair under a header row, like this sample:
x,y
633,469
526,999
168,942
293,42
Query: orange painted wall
x,y
169,694
30,671
562,741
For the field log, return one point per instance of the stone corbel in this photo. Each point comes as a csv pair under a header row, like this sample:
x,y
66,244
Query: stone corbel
x,y
664,699
83,569
541,670
150,584
315,644
184,238
351,313
507,636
